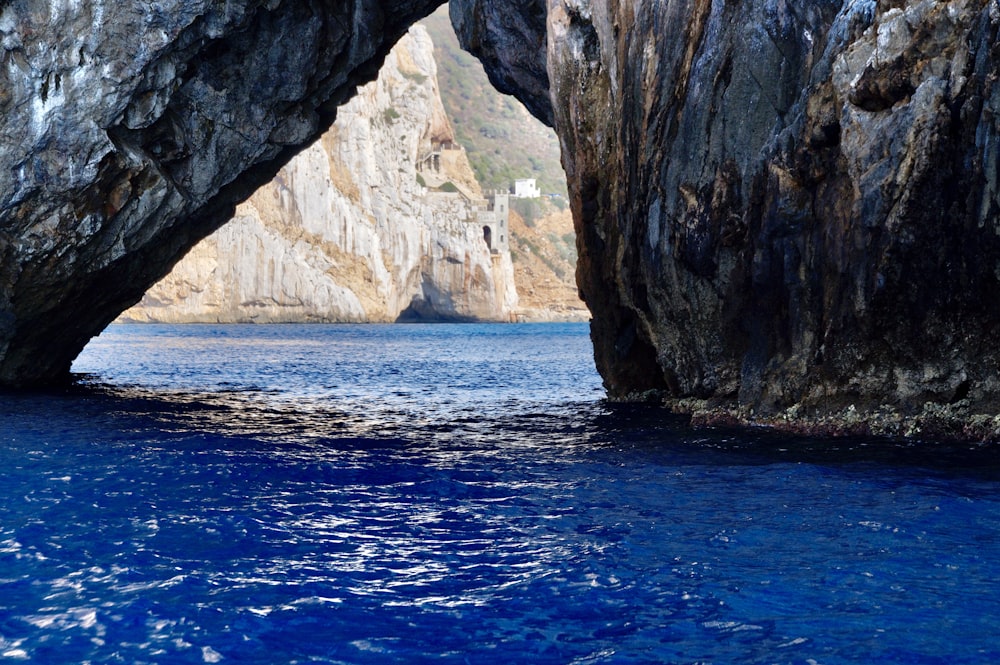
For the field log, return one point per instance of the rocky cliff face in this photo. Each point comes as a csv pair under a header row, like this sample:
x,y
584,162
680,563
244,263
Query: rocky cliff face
x,y
544,256
783,208
780,206
129,131
346,232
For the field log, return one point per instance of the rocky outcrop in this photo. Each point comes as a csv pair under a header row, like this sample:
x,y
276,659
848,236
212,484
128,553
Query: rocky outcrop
x,y
544,255
346,231
783,208
129,131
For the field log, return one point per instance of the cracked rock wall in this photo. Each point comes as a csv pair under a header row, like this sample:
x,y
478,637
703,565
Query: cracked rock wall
x,y
780,205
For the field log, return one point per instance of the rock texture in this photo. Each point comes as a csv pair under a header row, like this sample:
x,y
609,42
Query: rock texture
x,y
544,256
346,232
783,208
129,131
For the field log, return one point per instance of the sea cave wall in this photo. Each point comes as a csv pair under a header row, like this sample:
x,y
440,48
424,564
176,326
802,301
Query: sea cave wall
x,y
781,207
130,130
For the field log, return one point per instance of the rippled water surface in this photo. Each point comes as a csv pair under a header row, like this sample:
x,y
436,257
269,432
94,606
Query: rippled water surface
x,y
462,494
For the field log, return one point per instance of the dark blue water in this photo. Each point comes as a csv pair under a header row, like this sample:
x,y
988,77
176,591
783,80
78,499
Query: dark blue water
x,y
461,494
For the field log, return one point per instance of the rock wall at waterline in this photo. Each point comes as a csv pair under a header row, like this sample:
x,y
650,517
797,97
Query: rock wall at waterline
x,y
781,207
784,209
346,231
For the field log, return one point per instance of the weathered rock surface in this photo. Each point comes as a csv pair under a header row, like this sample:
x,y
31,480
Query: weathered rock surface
x,y
129,131
544,256
346,232
781,205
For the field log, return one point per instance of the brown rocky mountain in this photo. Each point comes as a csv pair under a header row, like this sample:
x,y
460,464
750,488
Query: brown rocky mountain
x,y
544,256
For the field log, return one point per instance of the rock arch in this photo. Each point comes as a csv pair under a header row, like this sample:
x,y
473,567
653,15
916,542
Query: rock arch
x,y
781,208
123,147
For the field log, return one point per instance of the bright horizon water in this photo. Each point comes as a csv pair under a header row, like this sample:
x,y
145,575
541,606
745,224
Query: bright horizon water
x,y
462,494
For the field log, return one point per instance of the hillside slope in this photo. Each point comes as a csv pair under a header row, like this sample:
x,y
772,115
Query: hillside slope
x,y
503,140
544,256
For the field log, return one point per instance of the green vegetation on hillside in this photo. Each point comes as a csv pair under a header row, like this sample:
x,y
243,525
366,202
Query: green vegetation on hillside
x,y
531,210
503,141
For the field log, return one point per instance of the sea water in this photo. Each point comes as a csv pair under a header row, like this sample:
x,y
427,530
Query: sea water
x,y
462,494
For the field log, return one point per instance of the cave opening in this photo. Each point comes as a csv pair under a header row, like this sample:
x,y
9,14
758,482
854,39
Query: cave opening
x,y
426,156
335,236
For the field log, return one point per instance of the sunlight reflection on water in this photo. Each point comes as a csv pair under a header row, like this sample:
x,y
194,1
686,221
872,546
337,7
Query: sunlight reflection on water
x,y
200,504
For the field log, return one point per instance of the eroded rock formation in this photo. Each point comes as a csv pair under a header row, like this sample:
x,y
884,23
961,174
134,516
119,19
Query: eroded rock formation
x,y
129,131
782,205
346,231
779,205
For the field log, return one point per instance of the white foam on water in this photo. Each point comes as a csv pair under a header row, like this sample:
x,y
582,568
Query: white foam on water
x,y
210,655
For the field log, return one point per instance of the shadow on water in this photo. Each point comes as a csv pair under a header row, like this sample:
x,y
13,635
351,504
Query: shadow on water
x,y
645,428
255,417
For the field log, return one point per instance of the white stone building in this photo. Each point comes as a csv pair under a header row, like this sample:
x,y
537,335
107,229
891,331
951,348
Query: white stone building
x,y
526,188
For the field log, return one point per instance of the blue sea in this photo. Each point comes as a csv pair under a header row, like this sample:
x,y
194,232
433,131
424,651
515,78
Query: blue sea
x,y
462,494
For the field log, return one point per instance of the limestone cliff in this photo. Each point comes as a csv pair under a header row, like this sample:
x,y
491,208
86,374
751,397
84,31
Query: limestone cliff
x,y
347,231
